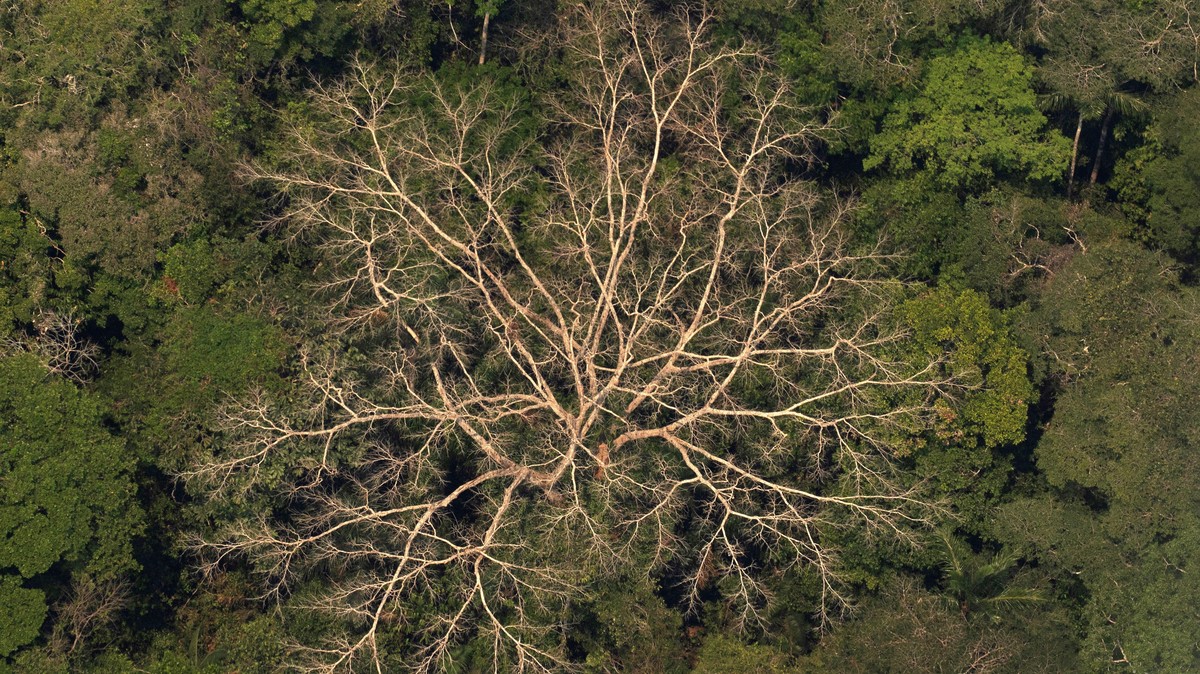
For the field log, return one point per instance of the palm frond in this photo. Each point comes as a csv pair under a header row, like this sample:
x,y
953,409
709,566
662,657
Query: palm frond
x,y
1015,596
1055,102
1127,104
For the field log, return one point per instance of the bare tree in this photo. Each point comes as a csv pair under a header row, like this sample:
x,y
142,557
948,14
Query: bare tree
x,y
628,336
56,341
88,608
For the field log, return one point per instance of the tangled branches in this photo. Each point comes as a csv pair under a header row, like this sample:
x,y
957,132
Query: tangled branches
x,y
57,342
622,336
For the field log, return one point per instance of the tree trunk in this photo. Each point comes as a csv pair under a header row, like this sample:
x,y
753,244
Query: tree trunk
x,y
487,18
1074,157
1100,147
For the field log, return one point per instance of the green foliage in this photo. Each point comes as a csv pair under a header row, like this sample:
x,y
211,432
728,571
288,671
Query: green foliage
x,y
256,646
1118,455
112,197
1009,241
77,55
42,661
982,355
269,19
962,456
973,120
796,36
25,278
1000,242
68,500
921,220
909,630
721,654
1156,602
984,587
1124,339
219,631
190,270
879,45
23,615
893,634
68,494
630,627
281,31
1159,183
487,7
167,395
1094,51
223,353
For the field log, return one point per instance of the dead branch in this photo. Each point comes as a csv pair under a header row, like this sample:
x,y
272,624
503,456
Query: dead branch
x,y
577,339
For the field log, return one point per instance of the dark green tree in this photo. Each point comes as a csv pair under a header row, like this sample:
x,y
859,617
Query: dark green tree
x,y
879,44
1099,56
1158,183
1119,510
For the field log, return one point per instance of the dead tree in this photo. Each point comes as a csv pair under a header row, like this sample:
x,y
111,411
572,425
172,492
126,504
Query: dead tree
x,y
627,336
57,342
89,607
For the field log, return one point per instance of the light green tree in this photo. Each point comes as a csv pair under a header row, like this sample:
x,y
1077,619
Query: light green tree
x,y
68,501
973,119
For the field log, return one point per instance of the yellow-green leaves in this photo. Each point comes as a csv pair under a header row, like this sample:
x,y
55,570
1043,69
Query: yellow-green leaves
x,y
973,120
962,454
22,616
979,352
67,496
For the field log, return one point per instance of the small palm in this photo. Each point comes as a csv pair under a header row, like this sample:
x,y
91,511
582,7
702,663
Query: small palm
x,y
982,587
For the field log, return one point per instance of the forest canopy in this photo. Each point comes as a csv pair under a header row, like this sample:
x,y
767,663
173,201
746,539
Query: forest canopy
x,y
618,336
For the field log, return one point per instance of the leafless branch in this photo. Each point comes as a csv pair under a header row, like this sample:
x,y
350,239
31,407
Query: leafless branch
x,y
579,343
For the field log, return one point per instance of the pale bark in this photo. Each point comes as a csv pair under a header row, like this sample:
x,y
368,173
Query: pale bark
x,y
483,38
602,336
1074,156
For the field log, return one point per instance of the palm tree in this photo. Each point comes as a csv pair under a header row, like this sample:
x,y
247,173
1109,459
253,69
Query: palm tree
x,y
1103,107
978,586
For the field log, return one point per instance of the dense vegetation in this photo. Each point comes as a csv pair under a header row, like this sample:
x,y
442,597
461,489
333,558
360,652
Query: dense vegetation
x,y
756,336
